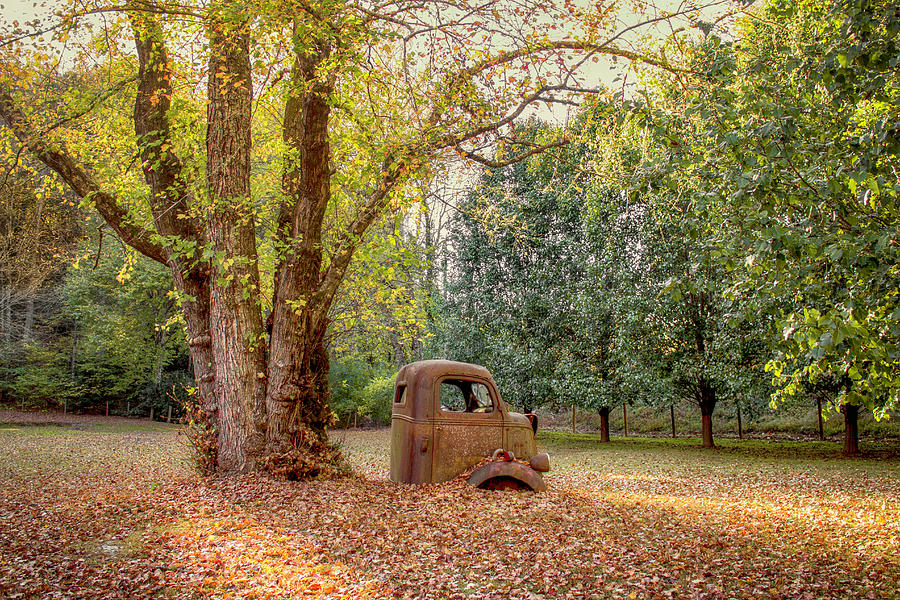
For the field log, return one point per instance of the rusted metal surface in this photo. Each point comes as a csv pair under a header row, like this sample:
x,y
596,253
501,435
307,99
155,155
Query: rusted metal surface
x,y
540,462
501,475
447,416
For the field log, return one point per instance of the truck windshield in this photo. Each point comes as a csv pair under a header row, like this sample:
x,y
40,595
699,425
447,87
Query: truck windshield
x,y
459,395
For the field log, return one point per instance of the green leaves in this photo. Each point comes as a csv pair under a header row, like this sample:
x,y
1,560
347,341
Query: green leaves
x,y
799,172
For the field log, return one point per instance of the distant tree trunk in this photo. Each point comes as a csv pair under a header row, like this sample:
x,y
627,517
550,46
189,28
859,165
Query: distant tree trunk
x,y
672,415
29,319
398,354
625,417
430,274
707,403
5,332
74,348
819,417
161,337
604,423
740,427
6,320
851,429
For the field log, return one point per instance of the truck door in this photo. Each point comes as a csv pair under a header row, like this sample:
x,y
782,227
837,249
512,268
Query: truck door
x,y
468,425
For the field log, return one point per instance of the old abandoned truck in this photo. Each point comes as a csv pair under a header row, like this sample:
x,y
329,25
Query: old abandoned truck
x,y
448,416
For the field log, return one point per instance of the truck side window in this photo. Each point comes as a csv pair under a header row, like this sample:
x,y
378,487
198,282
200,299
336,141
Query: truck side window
x,y
400,395
458,395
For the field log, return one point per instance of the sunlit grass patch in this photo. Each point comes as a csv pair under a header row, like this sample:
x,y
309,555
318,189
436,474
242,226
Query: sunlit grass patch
x,y
34,428
750,449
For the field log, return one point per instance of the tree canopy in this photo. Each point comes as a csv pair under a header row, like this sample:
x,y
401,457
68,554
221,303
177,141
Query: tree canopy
x,y
250,147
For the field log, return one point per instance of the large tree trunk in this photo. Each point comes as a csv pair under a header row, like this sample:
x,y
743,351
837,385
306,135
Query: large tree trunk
x,y
707,402
604,423
236,327
297,399
851,429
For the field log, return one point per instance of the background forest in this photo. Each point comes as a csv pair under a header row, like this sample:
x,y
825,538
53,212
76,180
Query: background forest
x,y
723,238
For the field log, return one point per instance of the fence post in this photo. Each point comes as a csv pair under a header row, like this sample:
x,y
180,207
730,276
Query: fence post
x,y
151,413
107,408
169,416
128,408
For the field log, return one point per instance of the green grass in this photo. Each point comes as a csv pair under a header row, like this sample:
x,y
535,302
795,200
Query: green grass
x,y
796,420
137,426
879,449
53,429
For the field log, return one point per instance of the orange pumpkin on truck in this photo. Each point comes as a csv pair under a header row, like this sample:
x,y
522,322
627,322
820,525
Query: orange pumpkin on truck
x,y
447,416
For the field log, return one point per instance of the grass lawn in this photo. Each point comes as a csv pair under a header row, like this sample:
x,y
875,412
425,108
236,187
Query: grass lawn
x,y
112,510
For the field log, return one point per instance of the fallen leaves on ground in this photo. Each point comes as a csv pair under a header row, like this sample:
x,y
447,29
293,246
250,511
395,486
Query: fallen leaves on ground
x,y
87,514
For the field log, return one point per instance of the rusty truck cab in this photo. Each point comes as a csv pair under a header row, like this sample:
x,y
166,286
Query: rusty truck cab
x,y
447,416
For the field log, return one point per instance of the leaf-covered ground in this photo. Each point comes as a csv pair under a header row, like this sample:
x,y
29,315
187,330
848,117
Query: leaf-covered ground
x,y
100,510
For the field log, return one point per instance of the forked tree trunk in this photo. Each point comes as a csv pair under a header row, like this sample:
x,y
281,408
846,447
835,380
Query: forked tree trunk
x,y
604,423
851,429
297,398
195,311
169,195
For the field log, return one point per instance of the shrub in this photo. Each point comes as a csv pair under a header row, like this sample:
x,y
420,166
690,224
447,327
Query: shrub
x,y
374,400
201,434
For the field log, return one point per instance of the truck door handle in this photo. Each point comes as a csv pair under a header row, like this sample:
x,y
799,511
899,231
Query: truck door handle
x,y
424,446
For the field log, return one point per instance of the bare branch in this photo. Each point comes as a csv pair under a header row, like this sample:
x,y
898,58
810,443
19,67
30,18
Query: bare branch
x,y
497,164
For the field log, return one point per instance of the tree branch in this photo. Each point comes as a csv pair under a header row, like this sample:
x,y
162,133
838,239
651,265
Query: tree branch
x,y
161,166
340,260
497,164
96,101
60,161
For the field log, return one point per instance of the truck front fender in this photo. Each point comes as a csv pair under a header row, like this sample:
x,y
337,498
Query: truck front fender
x,y
500,475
